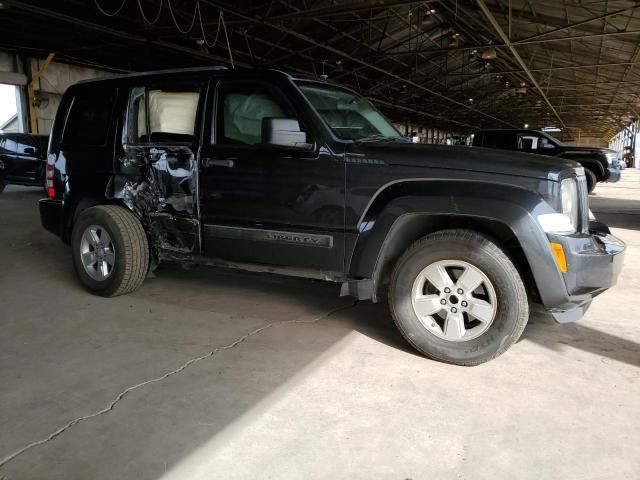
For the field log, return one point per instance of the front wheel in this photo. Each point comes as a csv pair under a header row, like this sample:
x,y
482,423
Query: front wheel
x,y
458,298
110,250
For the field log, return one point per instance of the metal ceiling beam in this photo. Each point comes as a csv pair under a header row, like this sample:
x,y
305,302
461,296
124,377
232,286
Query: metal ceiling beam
x,y
580,23
593,84
545,69
341,9
502,45
347,56
115,33
494,23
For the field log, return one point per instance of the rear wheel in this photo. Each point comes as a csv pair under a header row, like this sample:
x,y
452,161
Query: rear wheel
x,y
110,250
457,297
592,180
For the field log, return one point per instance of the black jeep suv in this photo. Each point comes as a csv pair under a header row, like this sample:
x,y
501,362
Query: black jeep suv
x,y
22,159
600,164
264,171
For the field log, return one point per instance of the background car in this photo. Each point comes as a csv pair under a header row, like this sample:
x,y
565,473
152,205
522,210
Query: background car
x,y
600,164
22,159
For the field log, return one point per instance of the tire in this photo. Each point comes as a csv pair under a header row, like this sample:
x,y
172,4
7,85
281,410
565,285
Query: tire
x,y
2,185
125,246
592,180
502,289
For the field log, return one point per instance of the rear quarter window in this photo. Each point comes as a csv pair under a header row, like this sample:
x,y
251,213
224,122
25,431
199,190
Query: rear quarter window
x,y
89,118
162,115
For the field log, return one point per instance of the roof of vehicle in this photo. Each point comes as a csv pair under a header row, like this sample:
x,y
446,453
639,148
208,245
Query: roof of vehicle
x,y
220,70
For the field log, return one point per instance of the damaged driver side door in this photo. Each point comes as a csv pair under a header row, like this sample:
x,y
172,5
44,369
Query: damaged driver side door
x,y
157,165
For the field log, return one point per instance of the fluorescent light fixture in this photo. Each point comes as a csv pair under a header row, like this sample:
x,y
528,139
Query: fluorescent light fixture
x,y
551,129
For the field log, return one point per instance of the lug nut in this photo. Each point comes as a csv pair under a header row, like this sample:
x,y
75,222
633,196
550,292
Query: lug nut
x,y
443,302
460,292
464,304
454,310
447,290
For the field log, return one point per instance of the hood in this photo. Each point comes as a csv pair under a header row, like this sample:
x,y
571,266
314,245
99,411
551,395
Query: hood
x,y
577,149
476,159
572,151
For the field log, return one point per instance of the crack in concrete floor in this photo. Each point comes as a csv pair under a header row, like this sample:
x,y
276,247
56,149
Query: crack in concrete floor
x,y
190,362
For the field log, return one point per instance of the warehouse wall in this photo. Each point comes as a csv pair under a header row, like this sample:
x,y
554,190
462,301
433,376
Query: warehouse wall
x,y
17,70
588,142
431,134
52,84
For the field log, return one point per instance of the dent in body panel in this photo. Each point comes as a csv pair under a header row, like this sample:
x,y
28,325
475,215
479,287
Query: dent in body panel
x,y
159,185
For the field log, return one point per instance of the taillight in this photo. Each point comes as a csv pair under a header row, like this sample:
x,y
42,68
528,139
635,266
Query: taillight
x,y
51,191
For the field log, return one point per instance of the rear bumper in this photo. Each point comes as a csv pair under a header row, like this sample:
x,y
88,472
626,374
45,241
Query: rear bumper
x,y
51,215
594,262
612,175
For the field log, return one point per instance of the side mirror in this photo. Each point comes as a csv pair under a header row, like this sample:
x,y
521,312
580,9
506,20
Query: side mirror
x,y
283,132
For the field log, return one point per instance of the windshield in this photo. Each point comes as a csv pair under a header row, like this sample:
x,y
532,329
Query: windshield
x,y
350,116
554,140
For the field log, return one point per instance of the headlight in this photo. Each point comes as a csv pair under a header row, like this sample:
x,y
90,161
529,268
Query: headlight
x,y
611,157
567,221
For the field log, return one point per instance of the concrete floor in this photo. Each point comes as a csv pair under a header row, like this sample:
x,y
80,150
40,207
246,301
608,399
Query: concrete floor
x,y
307,394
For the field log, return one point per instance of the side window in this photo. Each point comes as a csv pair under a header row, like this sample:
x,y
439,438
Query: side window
x,y
160,115
241,111
137,117
545,143
88,120
527,142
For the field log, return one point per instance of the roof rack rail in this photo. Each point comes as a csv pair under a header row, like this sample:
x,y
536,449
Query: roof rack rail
x,y
155,72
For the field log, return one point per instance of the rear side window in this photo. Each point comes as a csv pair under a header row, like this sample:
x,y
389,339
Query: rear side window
x,y
89,118
162,115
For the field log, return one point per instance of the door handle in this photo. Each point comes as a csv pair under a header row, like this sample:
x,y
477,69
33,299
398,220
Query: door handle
x,y
227,162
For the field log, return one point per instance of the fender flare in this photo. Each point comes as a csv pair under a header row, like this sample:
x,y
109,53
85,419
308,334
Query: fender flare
x,y
409,212
593,164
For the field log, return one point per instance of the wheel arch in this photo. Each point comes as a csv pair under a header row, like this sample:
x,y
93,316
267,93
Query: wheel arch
x,y
593,164
75,205
505,213
409,228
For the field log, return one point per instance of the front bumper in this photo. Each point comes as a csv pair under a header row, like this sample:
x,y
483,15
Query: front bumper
x,y
51,215
594,261
612,175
